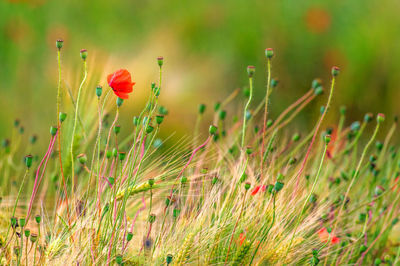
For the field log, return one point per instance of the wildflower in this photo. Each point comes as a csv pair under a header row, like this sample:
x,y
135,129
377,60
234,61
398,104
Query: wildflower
x,y
269,53
242,238
121,83
99,91
83,54
59,44
256,189
323,235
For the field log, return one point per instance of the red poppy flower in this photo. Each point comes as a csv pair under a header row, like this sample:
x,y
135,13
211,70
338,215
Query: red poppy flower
x,y
324,236
242,238
121,83
257,189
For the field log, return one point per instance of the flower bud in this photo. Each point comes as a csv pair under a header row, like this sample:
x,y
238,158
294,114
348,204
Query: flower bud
x,y
119,101
159,119
62,116
160,61
343,110
59,44
278,186
14,222
151,181
249,150
53,130
162,110
129,236
212,130
149,129
295,137
202,108
319,90
99,91
117,129
152,218
82,158
28,161
33,238
250,71
184,180
114,152
22,222
368,117
169,259
247,185
269,53
316,83
335,71
274,83
83,54
27,233
327,139
119,259
122,155
176,212
108,154
38,219
222,114
135,121
380,118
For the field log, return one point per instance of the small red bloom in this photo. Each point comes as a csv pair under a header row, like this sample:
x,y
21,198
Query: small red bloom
x,y
121,83
257,189
242,238
324,236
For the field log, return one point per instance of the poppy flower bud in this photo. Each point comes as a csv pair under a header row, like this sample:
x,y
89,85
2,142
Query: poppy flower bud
x,y
162,110
28,161
270,188
327,139
202,108
269,123
247,185
129,236
152,218
122,155
280,177
33,139
118,259
38,219
319,90
212,130
380,118
114,152
159,119
135,120
33,238
316,83
368,117
214,180
278,186
151,181
99,91
62,116
363,248
14,222
222,114
149,129
83,54
168,260
250,71
249,150
53,131
335,71
217,105
269,53
313,198
379,190
343,110
274,83
27,233
82,158
160,61
119,101
108,154
243,178
59,44
184,180
22,222
295,137
117,129
379,145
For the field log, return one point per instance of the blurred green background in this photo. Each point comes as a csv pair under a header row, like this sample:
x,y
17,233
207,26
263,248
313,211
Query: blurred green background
x,y
206,45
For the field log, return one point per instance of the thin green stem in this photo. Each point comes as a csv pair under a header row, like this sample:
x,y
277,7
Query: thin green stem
x,y
245,110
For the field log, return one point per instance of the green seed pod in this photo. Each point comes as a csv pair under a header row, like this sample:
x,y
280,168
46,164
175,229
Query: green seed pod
x,y
217,105
129,236
243,178
202,108
270,188
296,137
214,180
108,154
316,83
380,118
151,181
327,139
269,53
274,83
99,91
22,222
176,212
249,150
343,110
38,219
269,123
114,152
28,161
117,129
278,186
59,44
335,71
368,117
162,110
14,222
119,102
53,130
212,130
169,259
152,218
222,114
184,180
250,71
159,119
83,54
62,116
119,259
363,248
313,198
33,139
280,177
122,155
82,158
135,121
160,61
33,238
318,90
149,129
27,233
247,186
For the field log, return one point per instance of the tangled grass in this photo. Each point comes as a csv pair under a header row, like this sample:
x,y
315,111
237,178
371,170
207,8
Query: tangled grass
x,y
243,195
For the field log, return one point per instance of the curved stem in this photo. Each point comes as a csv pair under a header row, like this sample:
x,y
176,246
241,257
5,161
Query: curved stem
x,y
245,110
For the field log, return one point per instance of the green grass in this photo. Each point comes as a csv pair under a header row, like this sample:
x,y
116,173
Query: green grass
x,y
240,195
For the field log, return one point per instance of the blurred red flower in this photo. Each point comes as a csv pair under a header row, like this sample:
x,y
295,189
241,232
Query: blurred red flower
x,y
121,83
324,236
257,189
